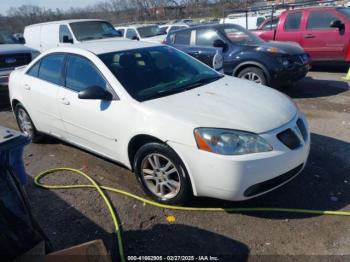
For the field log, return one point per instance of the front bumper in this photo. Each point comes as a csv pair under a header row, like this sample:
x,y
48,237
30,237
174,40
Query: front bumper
x,y
233,177
295,72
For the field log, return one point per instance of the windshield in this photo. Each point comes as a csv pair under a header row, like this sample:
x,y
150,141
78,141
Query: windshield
x,y
149,73
344,11
90,30
7,38
149,31
238,35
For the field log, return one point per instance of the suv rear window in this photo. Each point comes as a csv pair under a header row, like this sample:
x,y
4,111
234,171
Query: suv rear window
x,y
182,38
320,20
293,21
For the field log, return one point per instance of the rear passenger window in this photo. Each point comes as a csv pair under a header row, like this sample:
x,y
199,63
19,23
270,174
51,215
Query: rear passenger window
x,y
182,38
34,70
320,20
81,74
293,21
51,68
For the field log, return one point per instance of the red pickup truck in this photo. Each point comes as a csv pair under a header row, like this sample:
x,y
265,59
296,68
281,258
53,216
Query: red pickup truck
x,y
323,32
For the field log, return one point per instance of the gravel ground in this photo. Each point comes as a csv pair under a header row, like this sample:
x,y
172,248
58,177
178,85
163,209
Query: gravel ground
x,y
70,217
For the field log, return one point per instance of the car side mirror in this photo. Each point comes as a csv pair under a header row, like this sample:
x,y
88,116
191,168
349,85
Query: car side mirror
x,y
219,43
21,40
135,38
95,93
67,40
337,24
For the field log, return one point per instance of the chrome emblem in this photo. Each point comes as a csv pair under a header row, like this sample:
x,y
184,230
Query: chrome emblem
x,y
10,60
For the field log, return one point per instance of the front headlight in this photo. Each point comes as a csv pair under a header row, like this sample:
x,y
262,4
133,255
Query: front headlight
x,y
230,142
284,61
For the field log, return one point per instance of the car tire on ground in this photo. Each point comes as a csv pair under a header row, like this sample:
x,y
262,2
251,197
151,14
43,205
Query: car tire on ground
x,y
26,125
253,74
162,174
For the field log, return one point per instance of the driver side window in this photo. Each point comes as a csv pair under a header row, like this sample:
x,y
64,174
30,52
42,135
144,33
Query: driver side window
x,y
81,74
64,32
131,33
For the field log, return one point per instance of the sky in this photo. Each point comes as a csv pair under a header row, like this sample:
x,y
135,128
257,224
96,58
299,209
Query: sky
x,y
62,4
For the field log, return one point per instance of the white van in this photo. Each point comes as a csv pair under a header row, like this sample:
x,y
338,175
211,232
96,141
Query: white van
x,y
58,33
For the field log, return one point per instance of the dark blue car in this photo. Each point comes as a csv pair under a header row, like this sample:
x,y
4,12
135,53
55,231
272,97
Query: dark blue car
x,y
245,55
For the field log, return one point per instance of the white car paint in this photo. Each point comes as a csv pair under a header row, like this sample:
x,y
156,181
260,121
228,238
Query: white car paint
x,y
152,39
45,36
172,27
106,128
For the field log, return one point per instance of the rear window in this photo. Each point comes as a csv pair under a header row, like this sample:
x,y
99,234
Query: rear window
x,y
293,21
182,38
320,20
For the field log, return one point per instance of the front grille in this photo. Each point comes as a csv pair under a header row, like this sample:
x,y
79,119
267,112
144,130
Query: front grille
x,y
14,60
289,138
274,182
302,128
300,59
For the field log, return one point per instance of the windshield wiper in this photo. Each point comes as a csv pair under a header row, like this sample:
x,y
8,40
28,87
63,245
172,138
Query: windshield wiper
x,y
181,89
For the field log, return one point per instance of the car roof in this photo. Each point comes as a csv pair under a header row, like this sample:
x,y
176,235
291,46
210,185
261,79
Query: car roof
x,y
214,25
316,8
141,25
108,46
66,21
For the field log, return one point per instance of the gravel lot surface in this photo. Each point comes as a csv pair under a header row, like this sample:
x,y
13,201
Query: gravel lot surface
x,y
70,217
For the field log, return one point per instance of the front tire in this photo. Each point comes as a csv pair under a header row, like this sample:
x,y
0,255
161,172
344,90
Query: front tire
x,y
253,74
162,174
26,125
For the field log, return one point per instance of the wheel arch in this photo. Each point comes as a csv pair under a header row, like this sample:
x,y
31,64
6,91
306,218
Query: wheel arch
x,y
139,140
256,64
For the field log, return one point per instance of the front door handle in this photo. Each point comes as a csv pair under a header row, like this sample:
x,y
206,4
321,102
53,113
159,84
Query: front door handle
x,y
27,87
309,36
65,101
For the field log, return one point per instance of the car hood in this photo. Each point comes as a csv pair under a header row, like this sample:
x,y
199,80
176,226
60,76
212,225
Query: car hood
x,y
228,103
14,48
290,48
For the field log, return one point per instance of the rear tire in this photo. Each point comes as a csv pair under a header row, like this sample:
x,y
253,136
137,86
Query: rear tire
x,y
162,174
253,74
26,125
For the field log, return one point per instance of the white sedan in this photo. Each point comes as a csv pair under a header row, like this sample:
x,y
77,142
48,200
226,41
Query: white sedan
x,y
183,128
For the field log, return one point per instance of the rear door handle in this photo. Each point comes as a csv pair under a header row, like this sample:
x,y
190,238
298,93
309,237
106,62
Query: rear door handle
x,y
309,36
65,101
27,87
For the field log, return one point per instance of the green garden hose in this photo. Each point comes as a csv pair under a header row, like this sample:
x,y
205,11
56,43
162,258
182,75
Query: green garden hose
x,y
100,190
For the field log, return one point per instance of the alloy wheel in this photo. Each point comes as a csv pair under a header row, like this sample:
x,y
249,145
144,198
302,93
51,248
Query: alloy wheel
x,y
251,76
161,176
24,122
